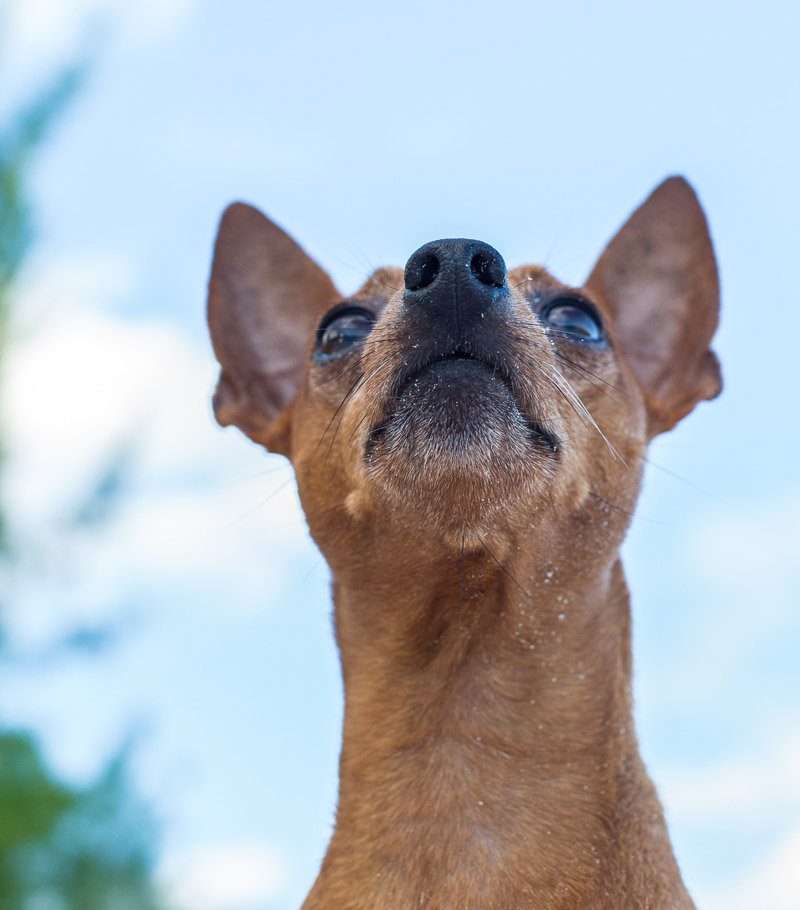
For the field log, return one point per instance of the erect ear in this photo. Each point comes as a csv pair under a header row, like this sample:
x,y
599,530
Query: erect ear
x,y
658,277
264,299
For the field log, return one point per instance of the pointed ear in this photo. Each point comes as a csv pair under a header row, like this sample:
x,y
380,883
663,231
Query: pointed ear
x,y
264,299
658,277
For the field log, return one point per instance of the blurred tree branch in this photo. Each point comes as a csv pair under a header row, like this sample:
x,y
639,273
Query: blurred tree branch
x,y
19,142
61,847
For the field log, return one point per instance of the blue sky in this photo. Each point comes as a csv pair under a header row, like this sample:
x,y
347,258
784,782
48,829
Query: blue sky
x,y
366,130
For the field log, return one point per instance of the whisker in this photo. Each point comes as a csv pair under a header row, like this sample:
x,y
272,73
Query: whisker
x,y
682,479
570,393
339,408
338,376
260,504
357,386
500,565
588,374
355,430
386,284
461,593
526,280
630,514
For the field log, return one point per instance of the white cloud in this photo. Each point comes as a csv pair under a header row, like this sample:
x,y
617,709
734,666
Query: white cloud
x,y
773,881
224,876
82,384
744,561
70,384
756,545
79,386
205,505
743,792
47,285
42,29
200,543
740,788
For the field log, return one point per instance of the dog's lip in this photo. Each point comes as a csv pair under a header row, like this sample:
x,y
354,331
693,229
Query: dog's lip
x,y
541,435
408,376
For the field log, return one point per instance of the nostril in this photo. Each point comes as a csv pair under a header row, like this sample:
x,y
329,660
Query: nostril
x,y
488,267
421,271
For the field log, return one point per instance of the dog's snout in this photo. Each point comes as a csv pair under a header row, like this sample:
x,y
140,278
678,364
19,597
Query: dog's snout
x,y
462,277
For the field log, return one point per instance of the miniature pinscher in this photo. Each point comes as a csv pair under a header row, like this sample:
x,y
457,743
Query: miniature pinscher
x,y
468,444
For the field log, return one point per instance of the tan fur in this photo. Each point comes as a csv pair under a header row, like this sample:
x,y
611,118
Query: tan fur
x,y
489,758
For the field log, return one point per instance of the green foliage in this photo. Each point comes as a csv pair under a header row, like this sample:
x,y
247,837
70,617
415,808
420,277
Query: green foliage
x,y
30,801
18,143
70,849
61,847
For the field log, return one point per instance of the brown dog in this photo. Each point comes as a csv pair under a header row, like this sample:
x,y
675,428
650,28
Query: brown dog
x,y
468,447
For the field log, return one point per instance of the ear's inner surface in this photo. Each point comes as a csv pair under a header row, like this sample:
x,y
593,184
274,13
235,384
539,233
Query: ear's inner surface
x,y
658,277
265,297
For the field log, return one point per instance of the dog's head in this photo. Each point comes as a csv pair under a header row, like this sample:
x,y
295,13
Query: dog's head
x,y
454,394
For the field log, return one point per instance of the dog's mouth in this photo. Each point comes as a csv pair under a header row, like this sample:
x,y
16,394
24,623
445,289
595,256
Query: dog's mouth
x,y
462,390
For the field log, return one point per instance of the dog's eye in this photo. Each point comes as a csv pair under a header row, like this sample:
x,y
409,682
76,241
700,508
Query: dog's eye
x,y
343,328
573,316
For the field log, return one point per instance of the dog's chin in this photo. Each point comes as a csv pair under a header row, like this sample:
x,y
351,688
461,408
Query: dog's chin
x,y
455,446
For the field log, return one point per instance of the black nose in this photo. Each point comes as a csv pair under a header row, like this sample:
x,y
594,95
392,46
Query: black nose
x,y
460,260
455,282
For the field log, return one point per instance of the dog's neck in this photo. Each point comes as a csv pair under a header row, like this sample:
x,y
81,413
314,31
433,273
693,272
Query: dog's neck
x,y
487,721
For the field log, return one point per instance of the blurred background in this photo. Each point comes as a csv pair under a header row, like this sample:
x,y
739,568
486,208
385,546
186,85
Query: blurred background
x,y
170,698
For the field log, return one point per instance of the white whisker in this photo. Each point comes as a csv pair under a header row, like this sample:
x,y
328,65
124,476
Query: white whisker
x,y
572,396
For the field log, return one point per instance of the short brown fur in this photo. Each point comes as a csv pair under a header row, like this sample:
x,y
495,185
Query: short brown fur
x,y
489,758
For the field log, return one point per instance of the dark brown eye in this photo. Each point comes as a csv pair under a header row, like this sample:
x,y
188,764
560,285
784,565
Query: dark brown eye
x,y
342,329
572,316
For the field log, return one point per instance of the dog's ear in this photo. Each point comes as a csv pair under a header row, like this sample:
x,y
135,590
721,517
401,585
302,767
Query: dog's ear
x,y
264,299
658,277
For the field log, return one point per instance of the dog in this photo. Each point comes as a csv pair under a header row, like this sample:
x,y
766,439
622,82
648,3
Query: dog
x,y
468,444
